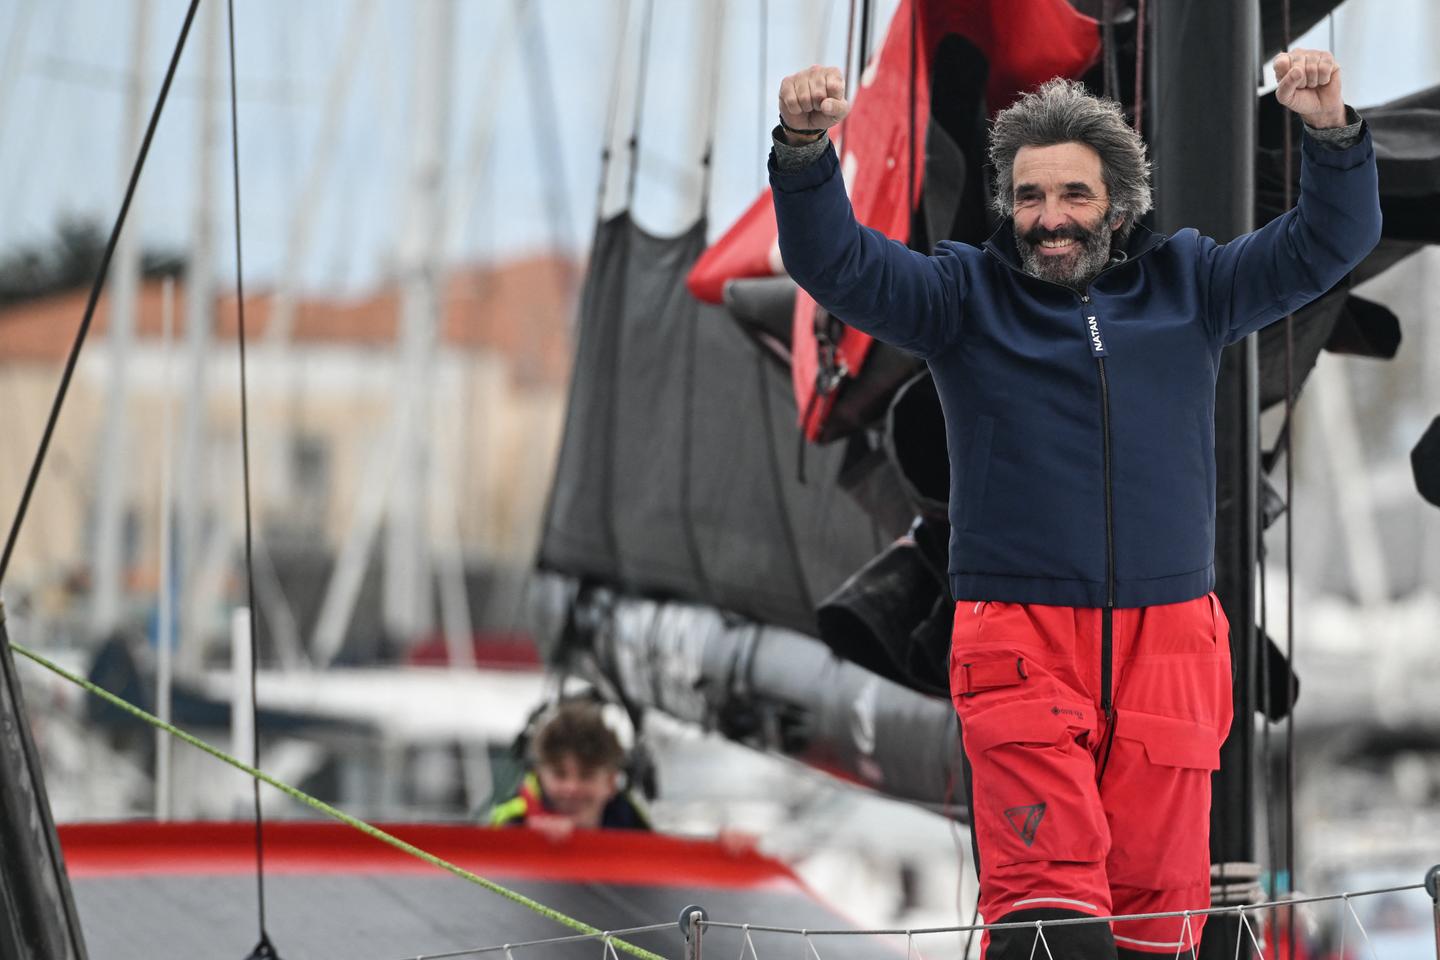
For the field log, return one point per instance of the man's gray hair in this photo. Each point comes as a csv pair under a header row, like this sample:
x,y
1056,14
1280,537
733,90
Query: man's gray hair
x,y
1062,111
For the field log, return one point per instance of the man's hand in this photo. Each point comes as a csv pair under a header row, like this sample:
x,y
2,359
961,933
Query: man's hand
x,y
812,99
1310,86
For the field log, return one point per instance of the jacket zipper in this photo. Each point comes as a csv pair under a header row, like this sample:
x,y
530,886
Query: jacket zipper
x,y
1107,613
1107,616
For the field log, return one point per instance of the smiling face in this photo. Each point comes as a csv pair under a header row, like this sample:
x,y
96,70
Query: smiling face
x,y
1063,224
576,790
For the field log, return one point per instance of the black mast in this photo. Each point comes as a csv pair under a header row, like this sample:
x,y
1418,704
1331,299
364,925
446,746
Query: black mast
x,y
37,913
1203,78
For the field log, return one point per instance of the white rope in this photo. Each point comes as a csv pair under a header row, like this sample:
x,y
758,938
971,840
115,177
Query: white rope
x,y
1245,923
747,942
1040,938
1351,907
1036,942
1187,935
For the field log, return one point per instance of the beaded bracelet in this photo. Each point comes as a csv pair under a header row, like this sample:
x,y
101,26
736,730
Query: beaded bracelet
x,y
803,133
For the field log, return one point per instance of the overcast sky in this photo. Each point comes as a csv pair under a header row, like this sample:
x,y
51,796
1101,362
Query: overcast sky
x,y
63,97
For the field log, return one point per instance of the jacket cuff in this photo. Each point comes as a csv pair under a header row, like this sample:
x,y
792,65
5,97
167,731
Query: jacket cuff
x,y
789,157
811,174
1338,138
1340,157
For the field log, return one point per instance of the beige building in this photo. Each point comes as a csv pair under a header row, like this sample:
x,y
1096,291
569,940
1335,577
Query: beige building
x,y
321,419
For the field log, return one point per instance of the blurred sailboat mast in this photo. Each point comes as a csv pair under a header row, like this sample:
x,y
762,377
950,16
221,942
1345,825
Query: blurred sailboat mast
x,y
407,608
111,473
199,315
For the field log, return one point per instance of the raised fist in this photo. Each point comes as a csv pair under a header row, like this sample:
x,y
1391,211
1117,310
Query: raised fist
x,y
1309,84
813,99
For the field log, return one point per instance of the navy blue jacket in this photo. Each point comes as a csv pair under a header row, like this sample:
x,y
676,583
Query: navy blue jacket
x,y
1080,428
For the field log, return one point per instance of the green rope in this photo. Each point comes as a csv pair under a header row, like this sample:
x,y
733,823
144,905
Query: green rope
x,y
325,808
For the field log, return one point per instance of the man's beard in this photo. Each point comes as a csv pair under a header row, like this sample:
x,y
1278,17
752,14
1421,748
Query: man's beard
x,y
1079,265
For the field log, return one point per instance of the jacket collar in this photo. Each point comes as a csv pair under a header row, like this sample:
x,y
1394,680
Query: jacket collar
x,y
1001,244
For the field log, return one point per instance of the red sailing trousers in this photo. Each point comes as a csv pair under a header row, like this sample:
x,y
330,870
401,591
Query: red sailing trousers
x,y
1076,813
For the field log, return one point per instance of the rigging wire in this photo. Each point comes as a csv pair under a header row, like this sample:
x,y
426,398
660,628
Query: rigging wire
x,y
849,70
1110,67
910,158
764,63
263,949
716,38
640,80
547,141
711,101
1139,66
80,335
612,110
1289,793
321,806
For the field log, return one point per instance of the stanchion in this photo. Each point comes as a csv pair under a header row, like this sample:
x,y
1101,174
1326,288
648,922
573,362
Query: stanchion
x,y
690,920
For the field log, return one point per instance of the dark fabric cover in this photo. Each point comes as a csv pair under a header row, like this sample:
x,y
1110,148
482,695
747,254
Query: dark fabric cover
x,y
677,474
1425,463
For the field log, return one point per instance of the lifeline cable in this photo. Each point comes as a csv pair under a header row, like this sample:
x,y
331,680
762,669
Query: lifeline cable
x,y
263,948
1242,910
315,803
93,301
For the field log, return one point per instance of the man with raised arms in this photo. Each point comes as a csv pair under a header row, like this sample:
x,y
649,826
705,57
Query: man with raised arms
x,y
1075,356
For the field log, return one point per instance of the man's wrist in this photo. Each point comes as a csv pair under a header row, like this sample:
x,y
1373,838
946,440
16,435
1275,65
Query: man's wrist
x,y
799,139
796,136
1340,136
1329,121
791,156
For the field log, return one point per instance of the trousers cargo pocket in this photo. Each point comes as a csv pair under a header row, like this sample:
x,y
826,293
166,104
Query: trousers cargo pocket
x,y
971,676
1033,784
1156,793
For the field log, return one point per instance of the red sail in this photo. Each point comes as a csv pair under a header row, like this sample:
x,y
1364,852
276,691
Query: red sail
x,y
1024,43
